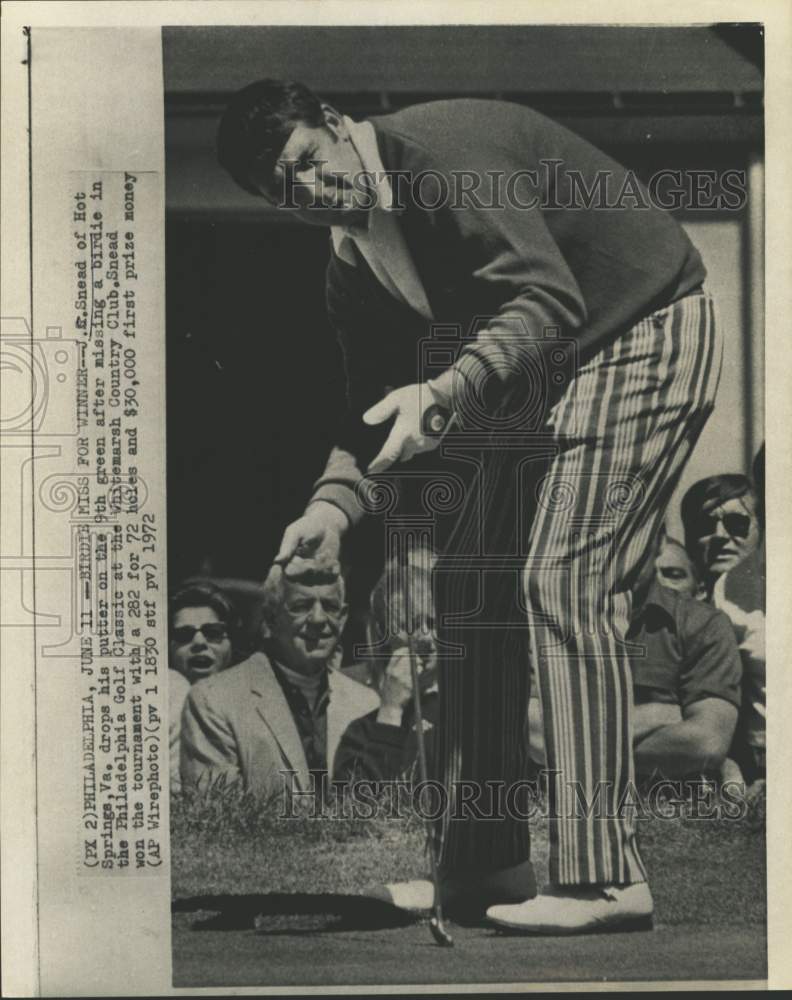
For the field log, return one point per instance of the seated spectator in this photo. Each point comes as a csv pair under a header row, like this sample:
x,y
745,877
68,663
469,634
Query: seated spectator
x,y
674,567
722,530
722,517
382,745
686,685
202,620
284,708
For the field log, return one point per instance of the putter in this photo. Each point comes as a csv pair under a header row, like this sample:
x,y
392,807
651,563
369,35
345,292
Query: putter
x,y
436,924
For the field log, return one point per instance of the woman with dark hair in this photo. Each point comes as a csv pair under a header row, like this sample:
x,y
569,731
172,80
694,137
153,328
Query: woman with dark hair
x,y
203,623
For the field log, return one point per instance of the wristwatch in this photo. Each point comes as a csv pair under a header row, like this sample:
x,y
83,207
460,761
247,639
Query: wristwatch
x,y
435,420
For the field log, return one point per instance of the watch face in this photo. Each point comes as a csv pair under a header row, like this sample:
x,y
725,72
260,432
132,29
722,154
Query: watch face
x,y
435,419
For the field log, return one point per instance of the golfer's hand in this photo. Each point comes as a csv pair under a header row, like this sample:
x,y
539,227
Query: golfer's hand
x,y
315,537
406,438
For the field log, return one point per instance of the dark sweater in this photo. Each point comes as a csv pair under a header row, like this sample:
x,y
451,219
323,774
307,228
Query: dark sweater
x,y
588,273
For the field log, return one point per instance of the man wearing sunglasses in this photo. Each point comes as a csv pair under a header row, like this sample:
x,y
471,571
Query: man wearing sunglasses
x,y
721,523
723,530
275,720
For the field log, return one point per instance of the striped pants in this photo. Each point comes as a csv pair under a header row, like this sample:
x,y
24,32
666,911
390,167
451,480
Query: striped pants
x,y
578,531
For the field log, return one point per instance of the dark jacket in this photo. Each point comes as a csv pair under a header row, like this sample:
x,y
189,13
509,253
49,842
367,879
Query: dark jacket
x,y
373,751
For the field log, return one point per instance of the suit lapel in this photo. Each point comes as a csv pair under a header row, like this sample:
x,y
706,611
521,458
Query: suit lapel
x,y
433,260
272,707
389,244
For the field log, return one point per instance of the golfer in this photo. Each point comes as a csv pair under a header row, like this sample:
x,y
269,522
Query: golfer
x,y
489,217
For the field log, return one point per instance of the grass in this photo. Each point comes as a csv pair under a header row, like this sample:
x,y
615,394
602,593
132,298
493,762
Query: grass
x,y
223,843
703,871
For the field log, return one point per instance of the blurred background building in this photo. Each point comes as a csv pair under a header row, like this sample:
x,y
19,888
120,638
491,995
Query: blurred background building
x,y
254,376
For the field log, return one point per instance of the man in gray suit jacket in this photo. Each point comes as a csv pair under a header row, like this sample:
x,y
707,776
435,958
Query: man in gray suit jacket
x,y
268,722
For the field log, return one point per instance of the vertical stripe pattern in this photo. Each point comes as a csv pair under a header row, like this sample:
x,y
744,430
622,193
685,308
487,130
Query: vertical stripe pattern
x,y
622,433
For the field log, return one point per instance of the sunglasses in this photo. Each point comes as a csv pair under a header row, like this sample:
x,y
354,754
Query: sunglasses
x,y
211,631
737,525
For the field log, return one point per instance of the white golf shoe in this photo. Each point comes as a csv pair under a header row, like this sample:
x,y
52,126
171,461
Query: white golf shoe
x,y
471,890
578,910
416,896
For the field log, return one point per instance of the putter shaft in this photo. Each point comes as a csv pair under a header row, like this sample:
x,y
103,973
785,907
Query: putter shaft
x,y
436,925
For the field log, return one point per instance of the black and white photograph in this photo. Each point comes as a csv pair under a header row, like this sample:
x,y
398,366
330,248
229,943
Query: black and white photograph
x,y
465,503
394,544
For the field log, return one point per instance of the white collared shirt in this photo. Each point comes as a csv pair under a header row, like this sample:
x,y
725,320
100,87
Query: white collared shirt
x,y
381,242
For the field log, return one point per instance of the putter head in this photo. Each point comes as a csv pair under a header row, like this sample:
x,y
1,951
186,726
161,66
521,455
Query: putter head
x,y
440,934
